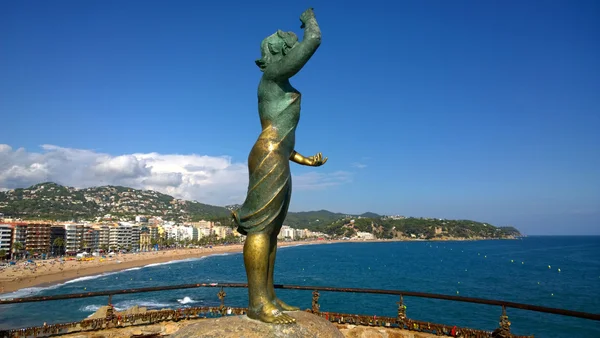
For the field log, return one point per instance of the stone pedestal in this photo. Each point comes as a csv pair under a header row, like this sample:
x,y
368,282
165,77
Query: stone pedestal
x,y
307,326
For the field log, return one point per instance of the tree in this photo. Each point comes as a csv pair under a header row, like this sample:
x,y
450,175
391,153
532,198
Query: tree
x,y
2,253
83,245
231,238
59,243
18,246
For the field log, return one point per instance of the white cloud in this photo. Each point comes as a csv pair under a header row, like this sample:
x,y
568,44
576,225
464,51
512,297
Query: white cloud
x,y
359,165
208,179
318,180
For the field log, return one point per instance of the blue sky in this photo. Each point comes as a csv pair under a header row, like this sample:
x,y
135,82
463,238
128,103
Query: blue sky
x,y
485,110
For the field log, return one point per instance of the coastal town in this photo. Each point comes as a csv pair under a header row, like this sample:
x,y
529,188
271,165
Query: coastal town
x,y
36,252
41,239
51,220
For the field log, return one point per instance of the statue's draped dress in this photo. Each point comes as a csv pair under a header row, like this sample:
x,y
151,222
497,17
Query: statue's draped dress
x,y
270,186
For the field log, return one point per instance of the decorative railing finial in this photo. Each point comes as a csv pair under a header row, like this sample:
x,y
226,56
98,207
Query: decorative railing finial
x,y
221,296
315,302
401,310
504,330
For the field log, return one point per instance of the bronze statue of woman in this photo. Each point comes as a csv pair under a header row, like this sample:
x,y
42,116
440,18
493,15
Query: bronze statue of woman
x,y
270,187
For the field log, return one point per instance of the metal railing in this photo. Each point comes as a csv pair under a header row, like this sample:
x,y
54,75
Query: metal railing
x,y
114,319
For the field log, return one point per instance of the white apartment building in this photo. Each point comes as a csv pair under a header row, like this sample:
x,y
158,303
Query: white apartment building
x,y
6,231
135,235
113,237
286,233
120,236
169,231
222,231
73,237
103,235
124,233
187,232
174,233
203,224
19,235
195,234
91,238
299,234
182,233
153,230
204,232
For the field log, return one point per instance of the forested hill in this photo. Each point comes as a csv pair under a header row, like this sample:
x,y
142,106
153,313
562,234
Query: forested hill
x,y
56,202
53,201
419,228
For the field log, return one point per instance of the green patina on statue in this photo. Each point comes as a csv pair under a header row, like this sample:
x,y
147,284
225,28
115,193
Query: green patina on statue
x,y
270,188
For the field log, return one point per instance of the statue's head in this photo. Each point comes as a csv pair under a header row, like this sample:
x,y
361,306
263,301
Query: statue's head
x,y
276,46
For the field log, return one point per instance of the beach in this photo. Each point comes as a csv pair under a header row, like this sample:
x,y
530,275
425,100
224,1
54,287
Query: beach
x,y
52,271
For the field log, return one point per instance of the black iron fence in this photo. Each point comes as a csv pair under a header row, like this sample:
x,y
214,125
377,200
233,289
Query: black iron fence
x,y
113,319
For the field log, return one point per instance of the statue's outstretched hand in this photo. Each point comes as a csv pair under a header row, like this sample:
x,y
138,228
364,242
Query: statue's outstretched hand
x,y
307,15
317,160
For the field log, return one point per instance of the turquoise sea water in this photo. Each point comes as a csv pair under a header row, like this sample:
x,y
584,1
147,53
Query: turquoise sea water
x,y
523,271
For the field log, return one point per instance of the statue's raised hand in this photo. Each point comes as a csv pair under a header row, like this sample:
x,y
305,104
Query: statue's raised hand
x,y
307,15
317,160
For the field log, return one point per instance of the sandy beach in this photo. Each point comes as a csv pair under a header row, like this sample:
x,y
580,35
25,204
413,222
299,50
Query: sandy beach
x,y
52,271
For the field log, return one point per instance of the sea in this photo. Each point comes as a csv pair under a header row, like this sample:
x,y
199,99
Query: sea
x,y
560,272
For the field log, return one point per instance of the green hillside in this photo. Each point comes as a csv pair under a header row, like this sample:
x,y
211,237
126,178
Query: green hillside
x,y
53,201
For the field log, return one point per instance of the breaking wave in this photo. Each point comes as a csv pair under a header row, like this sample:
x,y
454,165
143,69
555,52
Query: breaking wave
x,y
186,300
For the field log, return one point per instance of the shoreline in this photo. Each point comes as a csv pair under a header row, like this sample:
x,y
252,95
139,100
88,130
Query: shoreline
x,y
49,272
52,271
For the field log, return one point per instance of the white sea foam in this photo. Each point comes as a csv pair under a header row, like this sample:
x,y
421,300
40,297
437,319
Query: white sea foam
x,y
193,259
221,254
291,246
27,292
32,291
133,269
186,300
159,264
84,278
90,308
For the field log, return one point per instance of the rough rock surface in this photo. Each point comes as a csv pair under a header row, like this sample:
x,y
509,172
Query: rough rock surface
x,y
353,331
101,312
155,330
307,326
167,329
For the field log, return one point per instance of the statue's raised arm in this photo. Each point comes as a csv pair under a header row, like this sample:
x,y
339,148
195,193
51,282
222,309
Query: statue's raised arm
x,y
286,55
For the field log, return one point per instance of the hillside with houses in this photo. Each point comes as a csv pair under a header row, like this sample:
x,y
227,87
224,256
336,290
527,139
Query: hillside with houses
x,y
107,212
